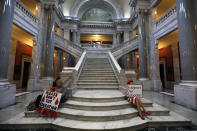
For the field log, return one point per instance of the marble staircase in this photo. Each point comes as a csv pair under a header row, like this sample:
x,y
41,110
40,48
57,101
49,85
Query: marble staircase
x,y
97,105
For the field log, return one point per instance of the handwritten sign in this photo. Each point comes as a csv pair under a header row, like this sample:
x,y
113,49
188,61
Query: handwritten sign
x,y
50,100
134,90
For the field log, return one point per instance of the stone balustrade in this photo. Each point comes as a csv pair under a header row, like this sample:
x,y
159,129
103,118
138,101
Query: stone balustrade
x,y
118,47
26,11
119,72
100,46
70,75
68,46
166,15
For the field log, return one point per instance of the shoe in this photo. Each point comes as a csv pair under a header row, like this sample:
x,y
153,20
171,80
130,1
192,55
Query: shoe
x,y
148,112
142,117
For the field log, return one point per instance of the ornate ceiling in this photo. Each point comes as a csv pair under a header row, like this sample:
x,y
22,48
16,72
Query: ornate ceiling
x,y
117,8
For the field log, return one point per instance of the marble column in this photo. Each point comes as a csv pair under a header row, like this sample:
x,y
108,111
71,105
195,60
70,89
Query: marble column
x,y
48,62
118,38
7,90
157,85
187,23
133,60
6,21
59,55
186,91
74,39
34,76
67,34
142,45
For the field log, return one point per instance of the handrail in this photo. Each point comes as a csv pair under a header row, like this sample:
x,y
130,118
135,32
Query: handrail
x,y
79,63
114,61
124,44
25,10
119,72
166,15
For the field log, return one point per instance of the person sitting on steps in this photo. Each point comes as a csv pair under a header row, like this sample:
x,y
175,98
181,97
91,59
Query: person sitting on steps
x,y
137,102
58,87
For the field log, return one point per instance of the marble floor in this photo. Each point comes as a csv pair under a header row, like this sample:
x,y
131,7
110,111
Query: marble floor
x,y
164,100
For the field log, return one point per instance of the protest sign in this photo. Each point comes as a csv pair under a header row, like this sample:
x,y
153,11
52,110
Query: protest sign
x,y
49,103
134,90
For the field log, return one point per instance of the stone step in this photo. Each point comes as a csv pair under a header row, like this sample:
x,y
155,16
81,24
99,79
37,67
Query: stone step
x,y
98,106
89,73
110,115
98,75
60,124
97,81
100,68
97,84
97,88
97,78
96,71
97,100
103,94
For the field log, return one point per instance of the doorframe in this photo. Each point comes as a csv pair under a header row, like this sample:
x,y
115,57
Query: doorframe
x,y
163,61
25,58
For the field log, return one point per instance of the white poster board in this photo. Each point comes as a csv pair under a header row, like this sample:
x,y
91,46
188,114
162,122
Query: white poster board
x,y
134,90
50,100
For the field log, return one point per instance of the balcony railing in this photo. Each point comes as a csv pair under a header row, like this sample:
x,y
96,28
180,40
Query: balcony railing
x,y
101,46
26,11
170,12
125,44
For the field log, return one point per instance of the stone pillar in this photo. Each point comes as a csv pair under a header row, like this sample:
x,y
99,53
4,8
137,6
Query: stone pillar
x,y
47,79
7,90
74,39
12,58
67,34
176,63
59,55
118,38
186,91
34,76
132,60
126,36
142,45
157,85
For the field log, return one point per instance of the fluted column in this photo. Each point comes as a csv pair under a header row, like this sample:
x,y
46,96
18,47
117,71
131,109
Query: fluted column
x,y
48,61
187,24
6,21
142,45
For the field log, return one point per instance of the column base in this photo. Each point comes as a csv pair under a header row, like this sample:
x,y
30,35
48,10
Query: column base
x,y
32,84
157,85
146,84
45,83
8,92
186,94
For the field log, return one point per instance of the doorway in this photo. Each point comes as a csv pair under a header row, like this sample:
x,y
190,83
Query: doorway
x,y
25,72
163,73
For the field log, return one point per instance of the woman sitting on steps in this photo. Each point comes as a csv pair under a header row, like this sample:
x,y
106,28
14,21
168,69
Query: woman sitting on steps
x,y
137,102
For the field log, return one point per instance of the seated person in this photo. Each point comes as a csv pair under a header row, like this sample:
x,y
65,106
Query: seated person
x,y
137,102
58,87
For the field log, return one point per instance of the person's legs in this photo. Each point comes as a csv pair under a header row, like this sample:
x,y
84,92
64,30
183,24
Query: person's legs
x,y
38,99
140,102
63,99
